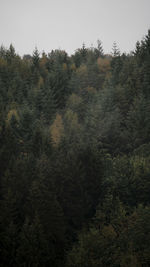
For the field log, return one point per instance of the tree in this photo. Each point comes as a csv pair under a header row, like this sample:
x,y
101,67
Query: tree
x,y
33,248
115,50
57,130
36,58
99,50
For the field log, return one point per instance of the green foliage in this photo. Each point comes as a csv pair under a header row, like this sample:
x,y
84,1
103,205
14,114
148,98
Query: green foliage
x,y
75,157
33,247
114,239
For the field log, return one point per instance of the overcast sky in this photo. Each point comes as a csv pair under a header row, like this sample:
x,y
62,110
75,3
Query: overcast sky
x,y
66,24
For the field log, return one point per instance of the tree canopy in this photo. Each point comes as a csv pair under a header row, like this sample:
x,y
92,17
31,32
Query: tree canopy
x,y
75,157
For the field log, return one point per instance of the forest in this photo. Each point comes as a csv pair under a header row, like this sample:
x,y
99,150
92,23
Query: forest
x,y
75,157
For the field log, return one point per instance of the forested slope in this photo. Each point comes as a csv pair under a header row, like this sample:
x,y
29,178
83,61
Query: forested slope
x,y
75,158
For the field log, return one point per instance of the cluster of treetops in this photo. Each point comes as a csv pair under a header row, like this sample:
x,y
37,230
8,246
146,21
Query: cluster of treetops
x,y
75,158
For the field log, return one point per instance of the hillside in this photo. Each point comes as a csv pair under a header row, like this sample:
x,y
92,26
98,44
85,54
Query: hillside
x,y
75,158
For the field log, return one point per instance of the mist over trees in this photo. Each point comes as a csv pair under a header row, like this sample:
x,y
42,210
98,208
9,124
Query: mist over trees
x,y
75,157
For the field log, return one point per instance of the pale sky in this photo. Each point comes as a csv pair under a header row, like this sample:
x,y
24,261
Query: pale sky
x,y
66,24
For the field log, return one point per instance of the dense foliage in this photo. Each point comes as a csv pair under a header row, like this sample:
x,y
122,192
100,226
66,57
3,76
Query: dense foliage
x,y
75,158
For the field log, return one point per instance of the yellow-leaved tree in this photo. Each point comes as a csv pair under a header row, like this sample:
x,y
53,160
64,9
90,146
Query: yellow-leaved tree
x,y
73,130
12,114
71,121
74,102
104,66
57,130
